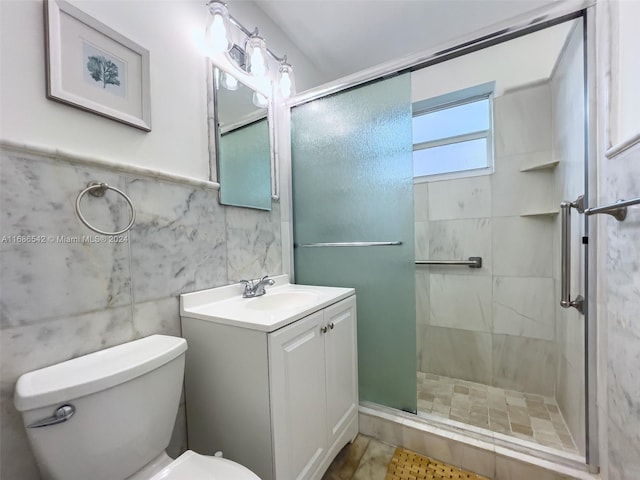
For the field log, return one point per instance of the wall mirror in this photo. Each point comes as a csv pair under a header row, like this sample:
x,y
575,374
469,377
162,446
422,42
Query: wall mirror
x,y
243,146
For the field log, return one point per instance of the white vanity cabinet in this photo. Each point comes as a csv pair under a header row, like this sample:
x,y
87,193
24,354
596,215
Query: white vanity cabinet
x,y
283,401
313,379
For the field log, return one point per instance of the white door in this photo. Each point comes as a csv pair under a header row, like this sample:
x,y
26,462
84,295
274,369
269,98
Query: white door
x,y
298,397
341,365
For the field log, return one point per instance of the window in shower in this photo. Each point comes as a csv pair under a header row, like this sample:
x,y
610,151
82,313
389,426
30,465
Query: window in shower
x,y
453,134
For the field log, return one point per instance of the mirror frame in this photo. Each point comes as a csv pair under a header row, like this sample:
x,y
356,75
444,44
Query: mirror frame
x,y
214,133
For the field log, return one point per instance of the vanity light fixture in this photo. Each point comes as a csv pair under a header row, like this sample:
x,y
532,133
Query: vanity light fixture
x,y
254,56
218,38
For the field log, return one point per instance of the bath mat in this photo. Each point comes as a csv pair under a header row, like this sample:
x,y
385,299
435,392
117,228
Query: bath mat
x,y
408,465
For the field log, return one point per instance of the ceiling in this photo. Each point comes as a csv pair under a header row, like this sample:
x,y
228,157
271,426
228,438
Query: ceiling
x,y
341,37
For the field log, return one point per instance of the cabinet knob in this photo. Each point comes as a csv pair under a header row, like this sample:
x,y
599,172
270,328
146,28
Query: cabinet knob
x,y
324,329
331,325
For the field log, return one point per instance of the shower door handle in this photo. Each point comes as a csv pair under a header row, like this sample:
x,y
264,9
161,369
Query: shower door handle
x,y
565,256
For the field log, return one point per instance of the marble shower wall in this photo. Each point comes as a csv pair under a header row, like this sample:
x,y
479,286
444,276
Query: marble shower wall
x,y
620,314
494,325
64,298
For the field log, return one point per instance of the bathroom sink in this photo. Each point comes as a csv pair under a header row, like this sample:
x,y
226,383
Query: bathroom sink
x,y
283,300
283,303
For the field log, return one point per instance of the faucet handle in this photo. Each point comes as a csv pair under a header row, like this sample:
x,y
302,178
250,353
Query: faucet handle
x,y
248,286
267,280
258,289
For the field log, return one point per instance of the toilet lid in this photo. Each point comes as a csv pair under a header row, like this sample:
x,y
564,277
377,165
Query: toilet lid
x,y
192,466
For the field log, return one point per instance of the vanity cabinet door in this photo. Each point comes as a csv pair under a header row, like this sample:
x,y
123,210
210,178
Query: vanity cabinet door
x,y
298,401
341,366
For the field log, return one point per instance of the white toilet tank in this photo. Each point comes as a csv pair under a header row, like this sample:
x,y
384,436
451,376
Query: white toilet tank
x,y
125,400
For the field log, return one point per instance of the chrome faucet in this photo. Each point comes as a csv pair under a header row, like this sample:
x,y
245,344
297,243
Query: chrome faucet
x,y
256,288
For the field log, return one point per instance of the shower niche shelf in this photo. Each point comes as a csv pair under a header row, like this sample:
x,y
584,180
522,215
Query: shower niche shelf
x,y
546,165
541,213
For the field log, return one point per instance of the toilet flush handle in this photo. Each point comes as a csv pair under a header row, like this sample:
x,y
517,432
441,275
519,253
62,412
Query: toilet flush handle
x,y
62,414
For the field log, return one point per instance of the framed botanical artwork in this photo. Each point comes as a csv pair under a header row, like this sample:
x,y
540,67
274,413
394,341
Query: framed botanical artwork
x,y
93,67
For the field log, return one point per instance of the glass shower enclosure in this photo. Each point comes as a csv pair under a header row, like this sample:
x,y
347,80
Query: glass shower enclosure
x,y
487,347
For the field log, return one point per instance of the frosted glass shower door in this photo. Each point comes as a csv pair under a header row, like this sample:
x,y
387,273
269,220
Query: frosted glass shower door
x,y
352,182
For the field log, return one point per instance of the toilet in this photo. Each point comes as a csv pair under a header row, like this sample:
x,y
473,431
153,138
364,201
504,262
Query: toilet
x,y
109,415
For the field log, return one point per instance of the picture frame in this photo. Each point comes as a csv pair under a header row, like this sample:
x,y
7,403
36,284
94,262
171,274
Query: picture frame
x,y
92,67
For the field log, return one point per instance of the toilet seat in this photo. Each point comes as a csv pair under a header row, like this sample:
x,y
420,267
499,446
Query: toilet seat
x,y
192,466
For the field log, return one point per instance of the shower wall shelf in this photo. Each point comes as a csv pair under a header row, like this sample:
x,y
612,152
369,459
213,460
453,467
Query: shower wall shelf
x,y
541,213
548,165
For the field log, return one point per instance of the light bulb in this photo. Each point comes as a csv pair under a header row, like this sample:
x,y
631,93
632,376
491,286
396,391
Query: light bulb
x,y
218,31
229,81
218,41
260,100
286,79
285,85
258,64
257,52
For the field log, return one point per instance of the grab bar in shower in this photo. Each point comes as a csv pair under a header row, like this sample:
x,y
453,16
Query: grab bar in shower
x,y
565,255
617,210
351,244
472,262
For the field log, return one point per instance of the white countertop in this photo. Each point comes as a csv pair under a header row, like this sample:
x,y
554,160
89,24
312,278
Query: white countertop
x,y
225,304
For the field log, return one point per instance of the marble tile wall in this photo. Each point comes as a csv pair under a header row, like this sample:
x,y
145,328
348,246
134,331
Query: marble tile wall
x,y
62,299
493,325
621,317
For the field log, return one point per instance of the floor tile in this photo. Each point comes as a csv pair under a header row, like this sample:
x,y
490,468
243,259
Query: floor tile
x,y
374,462
346,462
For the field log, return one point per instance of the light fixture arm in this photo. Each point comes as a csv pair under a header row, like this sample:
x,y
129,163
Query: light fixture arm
x,y
249,33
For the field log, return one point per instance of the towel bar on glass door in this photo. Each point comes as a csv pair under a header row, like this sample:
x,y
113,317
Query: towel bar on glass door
x,y
350,244
472,262
618,210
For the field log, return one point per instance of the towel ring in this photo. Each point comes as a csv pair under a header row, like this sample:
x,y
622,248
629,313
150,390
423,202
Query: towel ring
x,y
98,189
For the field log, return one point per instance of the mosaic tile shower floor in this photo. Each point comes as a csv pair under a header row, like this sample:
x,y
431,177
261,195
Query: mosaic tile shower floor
x,y
526,416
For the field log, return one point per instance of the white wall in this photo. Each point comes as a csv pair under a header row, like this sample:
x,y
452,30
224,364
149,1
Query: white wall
x,y
178,140
172,31
522,61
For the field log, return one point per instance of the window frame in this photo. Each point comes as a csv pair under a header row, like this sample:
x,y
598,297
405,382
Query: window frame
x,y
450,100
